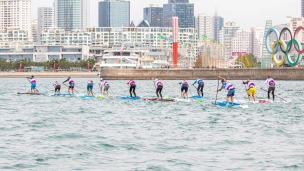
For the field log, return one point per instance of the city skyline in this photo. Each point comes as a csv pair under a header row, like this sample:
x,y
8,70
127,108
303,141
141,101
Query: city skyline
x,y
257,18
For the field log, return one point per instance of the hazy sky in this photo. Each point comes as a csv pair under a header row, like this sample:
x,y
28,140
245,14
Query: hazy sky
x,y
246,13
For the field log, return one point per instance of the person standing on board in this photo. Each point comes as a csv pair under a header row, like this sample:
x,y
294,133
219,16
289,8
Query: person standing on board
x,y
90,87
132,85
106,87
251,89
57,87
200,87
159,87
32,80
184,89
100,85
271,87
229,87
71,84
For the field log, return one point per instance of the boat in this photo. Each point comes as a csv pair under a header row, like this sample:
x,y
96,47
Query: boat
x,y
224,104
128,97
30,93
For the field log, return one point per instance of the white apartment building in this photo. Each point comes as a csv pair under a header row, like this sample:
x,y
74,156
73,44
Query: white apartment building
x,y
108,36
11,36
35,30
294,23
45,19
16,13
257,41
242,41
227,35
204,24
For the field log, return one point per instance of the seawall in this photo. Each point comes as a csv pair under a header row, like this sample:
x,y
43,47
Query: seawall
x,y
172,74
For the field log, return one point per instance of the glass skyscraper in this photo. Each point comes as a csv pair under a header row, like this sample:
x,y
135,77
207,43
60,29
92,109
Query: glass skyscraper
x,y
114,13
218,23
181,9
72,14
154,15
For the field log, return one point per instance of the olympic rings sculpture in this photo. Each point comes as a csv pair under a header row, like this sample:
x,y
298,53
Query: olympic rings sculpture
x,y
285,48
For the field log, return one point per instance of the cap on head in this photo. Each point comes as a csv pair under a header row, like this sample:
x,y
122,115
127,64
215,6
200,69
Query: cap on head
x,y
268,76
156,79
69,77
101,79
32,76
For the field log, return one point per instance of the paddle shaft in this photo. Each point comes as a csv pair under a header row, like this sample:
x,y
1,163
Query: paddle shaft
x,y
276,96
218,83
74,89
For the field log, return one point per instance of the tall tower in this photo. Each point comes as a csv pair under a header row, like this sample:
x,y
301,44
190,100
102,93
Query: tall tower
x,y
154,15
204,24
114,13
181,9
16,13
72,14
45,19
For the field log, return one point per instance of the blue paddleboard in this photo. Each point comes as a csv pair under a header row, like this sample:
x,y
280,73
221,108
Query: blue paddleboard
x,y
224,104
128,97
63,95
199,97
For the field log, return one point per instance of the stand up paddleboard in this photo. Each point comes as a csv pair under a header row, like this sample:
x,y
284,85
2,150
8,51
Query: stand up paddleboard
x,y
63,95
30,93
128,97
91,97
224,104
156,99
199,97
264,101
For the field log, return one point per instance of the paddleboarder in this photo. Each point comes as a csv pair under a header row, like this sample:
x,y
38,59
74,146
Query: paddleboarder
x,y
106,86
132,85
57,87
184,89
229,87
32,80
159,87
71,84
271,87
200,87
251,89
90,87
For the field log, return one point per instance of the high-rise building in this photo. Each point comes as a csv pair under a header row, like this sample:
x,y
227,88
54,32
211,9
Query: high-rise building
x,y
208,25
204,25
114,13
257,41
154,15
181,9
218,24
72,14
45,19
228,33
241,42
35,30
302,9
16,13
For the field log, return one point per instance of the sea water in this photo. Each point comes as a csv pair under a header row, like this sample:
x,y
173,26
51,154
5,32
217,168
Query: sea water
x,y
40,132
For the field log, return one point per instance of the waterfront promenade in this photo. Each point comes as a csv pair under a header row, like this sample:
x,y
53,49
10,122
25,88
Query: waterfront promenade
x,y
172,74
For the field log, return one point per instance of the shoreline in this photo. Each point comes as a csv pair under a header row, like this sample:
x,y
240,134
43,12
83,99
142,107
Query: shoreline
x,y
172,74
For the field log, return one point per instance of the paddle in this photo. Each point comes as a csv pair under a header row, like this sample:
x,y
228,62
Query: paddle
x,y
275,95
218,83
243,106
74,89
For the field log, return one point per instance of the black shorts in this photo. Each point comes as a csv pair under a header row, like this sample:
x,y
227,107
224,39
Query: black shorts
x,y
184,88
57,88
72,85
271,89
